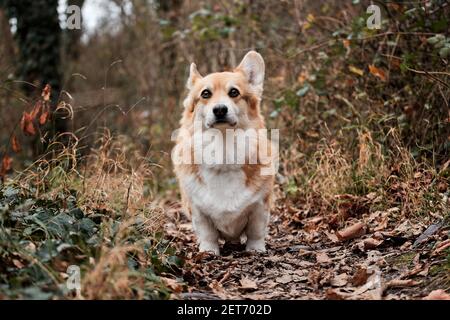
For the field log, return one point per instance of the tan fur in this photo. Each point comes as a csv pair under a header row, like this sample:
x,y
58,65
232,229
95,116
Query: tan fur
x,y
248,103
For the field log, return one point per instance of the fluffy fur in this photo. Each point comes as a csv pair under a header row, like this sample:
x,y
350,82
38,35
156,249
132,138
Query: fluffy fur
x,y
231,201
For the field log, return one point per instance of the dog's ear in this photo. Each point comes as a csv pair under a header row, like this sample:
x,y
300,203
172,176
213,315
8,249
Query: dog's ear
x,y
194,75
253,67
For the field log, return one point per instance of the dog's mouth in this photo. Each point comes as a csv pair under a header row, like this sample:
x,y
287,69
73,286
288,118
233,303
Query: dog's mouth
x,y
223,122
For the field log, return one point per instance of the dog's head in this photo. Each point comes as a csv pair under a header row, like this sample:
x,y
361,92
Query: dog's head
x,y
227,99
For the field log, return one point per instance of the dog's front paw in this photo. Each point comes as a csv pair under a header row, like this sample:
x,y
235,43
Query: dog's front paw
x,y
209,247
256,245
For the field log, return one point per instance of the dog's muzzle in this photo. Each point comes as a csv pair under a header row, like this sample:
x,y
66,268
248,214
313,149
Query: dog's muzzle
x,y
221,115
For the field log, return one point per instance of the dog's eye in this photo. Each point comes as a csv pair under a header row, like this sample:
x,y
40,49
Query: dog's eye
x,y
233,92
206,94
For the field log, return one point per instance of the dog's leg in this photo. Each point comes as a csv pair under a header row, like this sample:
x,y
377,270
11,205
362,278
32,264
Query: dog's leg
x,y
206,232
256,228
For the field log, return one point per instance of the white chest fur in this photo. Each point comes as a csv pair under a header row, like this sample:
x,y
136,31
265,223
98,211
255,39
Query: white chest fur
x,y
222,196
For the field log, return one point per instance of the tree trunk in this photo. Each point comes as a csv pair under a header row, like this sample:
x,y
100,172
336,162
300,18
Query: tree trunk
x,y
38,38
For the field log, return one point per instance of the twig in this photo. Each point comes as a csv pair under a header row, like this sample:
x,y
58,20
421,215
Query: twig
x,y
430,75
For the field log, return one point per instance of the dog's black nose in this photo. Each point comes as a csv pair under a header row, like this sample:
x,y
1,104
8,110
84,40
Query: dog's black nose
x,y
220,111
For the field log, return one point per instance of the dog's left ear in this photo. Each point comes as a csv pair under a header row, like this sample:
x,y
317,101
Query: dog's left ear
x,y
253,67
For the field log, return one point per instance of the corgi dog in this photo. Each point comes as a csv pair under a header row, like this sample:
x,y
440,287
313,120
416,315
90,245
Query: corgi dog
x,y
226,198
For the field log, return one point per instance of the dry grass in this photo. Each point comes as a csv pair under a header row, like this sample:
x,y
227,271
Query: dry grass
x,y
108,184
350,141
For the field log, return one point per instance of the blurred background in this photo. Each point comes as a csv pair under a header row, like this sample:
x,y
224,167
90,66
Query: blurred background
x,y
361,111
126,68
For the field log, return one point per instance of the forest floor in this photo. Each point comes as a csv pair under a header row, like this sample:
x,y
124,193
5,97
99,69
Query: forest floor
x,y
377,256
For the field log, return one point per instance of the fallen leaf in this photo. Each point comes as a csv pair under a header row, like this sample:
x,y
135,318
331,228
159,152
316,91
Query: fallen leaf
x,y
217,289
382,224
340,280
247,283
225,277
437,295
409,229
332,294
441,246
331,236
172,284
377,72
371,243
405,246
372,288
354,231
356,70
399,283
416,270
425,271
284,279
322,257
360,277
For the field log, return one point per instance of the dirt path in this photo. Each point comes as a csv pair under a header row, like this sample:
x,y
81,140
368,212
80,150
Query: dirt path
x,y
306,259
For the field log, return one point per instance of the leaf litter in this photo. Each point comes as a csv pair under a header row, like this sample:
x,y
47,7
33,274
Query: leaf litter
x,y
366,257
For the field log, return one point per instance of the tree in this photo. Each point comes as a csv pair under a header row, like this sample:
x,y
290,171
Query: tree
x,y
38,38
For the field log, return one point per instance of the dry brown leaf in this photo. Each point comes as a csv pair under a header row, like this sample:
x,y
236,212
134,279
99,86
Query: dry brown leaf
x,y
172,284
217,289
284,279
437,295
360,277
425,271
322,257
36,110
26,124
247,283
15,144
382,224
340,280
356,70
6,164
332,294
409,229
331,236
43,118
354,231
371,243
442,246
46,92
225,277
377,72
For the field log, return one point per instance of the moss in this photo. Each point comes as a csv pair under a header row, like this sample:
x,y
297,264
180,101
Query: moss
x,y
403,260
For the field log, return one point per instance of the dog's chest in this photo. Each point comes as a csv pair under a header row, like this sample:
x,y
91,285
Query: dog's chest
x,y
220,192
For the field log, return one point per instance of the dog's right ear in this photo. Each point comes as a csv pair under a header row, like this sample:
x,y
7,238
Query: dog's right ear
x,y
194,75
